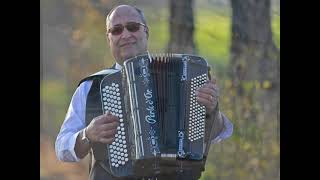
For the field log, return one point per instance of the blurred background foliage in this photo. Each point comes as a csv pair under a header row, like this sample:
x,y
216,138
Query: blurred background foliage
x,y
73,45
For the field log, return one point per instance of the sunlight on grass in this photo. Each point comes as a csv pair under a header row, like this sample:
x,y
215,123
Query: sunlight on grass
x,y
212,36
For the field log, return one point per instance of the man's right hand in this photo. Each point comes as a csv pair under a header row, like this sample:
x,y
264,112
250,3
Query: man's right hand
x,y
103,128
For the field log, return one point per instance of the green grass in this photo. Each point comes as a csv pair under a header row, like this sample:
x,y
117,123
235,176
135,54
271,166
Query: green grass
x,y
212,36
53,92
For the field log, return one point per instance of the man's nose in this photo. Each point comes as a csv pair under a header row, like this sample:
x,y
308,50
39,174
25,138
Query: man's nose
x,y
126,33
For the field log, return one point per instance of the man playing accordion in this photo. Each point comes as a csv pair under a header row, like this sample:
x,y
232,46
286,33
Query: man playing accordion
x,y
85,130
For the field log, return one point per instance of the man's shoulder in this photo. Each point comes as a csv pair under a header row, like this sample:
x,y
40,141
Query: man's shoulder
x,y
104,72
99,74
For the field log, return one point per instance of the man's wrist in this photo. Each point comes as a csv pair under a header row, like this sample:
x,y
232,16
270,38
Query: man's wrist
x,y
212,112
84,137
83,144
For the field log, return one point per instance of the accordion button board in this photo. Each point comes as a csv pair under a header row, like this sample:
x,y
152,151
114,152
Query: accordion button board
x,y
118,150
160,118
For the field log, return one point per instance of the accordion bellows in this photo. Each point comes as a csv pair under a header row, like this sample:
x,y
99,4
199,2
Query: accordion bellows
x,y
160,118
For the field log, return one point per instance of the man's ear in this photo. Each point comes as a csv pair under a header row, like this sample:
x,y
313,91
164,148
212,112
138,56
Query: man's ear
x,y
147,32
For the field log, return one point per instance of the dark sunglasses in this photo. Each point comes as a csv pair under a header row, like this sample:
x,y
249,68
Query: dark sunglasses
x,y
130,26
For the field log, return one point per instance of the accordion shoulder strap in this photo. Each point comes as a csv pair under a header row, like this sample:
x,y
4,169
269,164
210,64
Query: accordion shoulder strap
x,y
100,74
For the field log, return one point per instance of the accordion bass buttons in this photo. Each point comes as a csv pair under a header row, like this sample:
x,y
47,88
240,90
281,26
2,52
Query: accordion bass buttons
x,y
112,103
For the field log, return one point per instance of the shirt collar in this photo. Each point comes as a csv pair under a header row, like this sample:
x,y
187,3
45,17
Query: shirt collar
x,y
118,66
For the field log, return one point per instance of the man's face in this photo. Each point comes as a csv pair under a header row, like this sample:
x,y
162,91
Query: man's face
x,y
127,44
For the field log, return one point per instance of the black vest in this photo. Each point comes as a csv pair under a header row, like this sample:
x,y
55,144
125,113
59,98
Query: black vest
x,y
98,168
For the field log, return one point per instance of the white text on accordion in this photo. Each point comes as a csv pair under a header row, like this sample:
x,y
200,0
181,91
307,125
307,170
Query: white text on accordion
x,y
150,118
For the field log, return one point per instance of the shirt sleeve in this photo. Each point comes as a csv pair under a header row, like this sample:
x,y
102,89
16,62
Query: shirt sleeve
x,y
73,123
226,132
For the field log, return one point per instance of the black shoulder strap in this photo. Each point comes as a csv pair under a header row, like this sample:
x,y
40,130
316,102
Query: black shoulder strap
x,y
93,103
98,75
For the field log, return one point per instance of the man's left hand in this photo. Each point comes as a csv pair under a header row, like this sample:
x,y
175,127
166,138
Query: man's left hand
x,y
208,95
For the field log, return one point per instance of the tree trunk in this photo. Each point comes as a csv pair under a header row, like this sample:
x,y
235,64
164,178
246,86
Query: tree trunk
x,y
255,60
181,27
254,56
255,74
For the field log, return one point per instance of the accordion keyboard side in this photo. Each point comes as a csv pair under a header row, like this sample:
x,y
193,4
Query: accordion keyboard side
x,y
120,150
143,115
143,109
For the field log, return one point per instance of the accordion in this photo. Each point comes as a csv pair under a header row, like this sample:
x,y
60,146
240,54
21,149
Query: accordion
x,y
161,121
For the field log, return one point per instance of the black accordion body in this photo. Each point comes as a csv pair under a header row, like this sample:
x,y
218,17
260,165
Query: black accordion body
x,y
161,121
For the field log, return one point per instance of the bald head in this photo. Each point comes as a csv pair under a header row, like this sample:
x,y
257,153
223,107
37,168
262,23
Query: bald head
x,y
125,7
